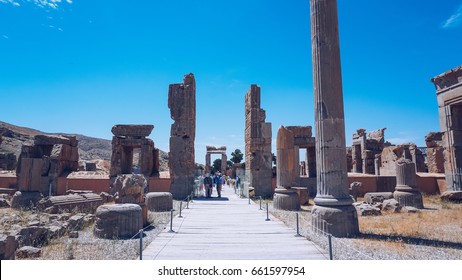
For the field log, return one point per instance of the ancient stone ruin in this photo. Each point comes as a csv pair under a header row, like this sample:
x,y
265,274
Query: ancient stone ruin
x,y
366,151
182,104
40,165
449,95
290,140
215,150
333,211
435,152
258,157
127,139
406,191
7,160
391,154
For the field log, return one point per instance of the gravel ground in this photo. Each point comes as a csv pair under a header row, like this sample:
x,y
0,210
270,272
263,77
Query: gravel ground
x,y
363,248
88,247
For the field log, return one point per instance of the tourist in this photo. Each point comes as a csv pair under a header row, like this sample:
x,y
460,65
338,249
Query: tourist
x,y
219,180
238,182
201,185
208,185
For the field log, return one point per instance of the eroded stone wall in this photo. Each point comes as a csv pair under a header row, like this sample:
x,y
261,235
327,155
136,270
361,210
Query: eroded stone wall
x,y
182,104
258,157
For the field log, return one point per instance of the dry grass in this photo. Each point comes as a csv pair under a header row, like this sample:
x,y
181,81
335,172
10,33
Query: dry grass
x,y
432,233
89,247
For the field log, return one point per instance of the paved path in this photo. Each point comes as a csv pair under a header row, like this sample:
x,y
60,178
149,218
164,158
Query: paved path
x,y
228,228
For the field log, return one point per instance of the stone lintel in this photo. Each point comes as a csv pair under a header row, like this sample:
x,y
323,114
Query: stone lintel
x,y
42,139
448,79
213,149
132,130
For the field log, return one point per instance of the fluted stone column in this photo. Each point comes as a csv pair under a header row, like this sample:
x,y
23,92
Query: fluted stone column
x,y
286,198
406,191
333,211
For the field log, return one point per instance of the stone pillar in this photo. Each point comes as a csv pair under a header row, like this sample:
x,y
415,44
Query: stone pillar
x,y
333,211
377,161
182,104
224,159
311,161
406,192
287,170
258,157
146,157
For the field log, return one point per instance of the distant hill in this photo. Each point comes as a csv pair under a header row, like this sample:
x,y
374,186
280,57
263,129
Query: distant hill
x,y
90,148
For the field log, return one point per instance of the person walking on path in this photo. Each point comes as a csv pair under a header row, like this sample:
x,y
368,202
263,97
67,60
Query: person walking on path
x,y
208,185
219,179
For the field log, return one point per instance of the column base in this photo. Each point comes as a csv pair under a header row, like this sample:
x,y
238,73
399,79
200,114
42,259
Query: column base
x,y
413,199
340,221
286,199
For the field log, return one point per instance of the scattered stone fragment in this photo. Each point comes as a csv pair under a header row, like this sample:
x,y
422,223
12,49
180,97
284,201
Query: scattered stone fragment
x,y
28,252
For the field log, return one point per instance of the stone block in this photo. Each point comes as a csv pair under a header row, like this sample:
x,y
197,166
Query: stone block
x,y
132,130
8,245
118,221
377,197
25,200
286,200
28,252
159,201
452,196
85,202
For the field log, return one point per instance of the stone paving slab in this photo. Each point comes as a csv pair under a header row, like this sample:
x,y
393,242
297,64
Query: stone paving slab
x,y
229,228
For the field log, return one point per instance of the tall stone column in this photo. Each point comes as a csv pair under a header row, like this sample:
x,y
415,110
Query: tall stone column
x,y
406,192
333,211
182,104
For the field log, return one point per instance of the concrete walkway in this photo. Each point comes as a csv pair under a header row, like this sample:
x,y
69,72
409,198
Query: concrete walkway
x,y
228,228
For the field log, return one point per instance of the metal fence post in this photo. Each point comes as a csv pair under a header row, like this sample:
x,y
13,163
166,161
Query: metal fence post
x,y
298,228
329,236
267,212
141,243
171,220
260,203
181,206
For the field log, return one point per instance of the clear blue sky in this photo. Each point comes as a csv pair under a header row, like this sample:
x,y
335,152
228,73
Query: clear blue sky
x,y
82,66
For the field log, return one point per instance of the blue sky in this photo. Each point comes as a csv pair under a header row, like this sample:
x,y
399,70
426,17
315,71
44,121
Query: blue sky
x,y
82,66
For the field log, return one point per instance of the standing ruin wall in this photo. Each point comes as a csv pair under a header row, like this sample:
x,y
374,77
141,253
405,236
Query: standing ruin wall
x,y
182,104
258,157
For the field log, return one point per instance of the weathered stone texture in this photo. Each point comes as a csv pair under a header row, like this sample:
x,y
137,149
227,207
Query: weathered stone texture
x,y
391,154
435,152
25,200
118,221
406,191
365,150
8,245
86,202
159,201
333,211
182,104
452,196
126,139
129,188
377,197
40,165
449,96
28,252
258,157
